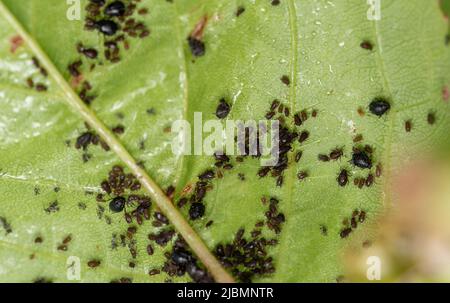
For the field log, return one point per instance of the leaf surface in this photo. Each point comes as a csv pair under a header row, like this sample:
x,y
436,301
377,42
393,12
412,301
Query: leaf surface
x,y
316,44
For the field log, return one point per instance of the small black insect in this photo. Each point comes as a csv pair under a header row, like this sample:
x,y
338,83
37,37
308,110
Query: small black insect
x,y
115,9
336,154
90,53
343,178
297,119
223,109
298,156
408,126
107,27
431,118
280,181
181,256
302,175
369,180
285,80
304,135
94,263
263,171
345,232
197,46
360,159
196,211
379,106
239,11
207,175
274,104
362,216
117,204
366,45
269,115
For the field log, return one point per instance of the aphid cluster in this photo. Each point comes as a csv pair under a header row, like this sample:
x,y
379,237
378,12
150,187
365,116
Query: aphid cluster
x,y
247,257
274,217
121,186
285,143
197,208
110,18
114,20
223,109
38,86
85,139
180,261
358,216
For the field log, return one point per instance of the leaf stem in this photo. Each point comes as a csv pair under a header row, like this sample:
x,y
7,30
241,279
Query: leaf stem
x,y
163,202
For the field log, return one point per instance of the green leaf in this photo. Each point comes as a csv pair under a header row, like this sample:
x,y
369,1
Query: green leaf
x,y
315,43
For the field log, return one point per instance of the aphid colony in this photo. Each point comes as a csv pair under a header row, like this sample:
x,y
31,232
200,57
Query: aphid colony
x,y
197,208
120,187
180,261
114,20
247,257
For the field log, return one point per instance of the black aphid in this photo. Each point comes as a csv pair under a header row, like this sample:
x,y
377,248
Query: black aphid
x,y
90,53
336,154
298,156
93,263
345,232
408,126
343,178
181,256
280,181
275,104
297,119
116,8
361,159
369,180
223,109
431,118
240,10
302,175
366,45
263,171
196,211
304,135
207,175
285,80
379,106
107,27
197,46
362,216
83,140
117,204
